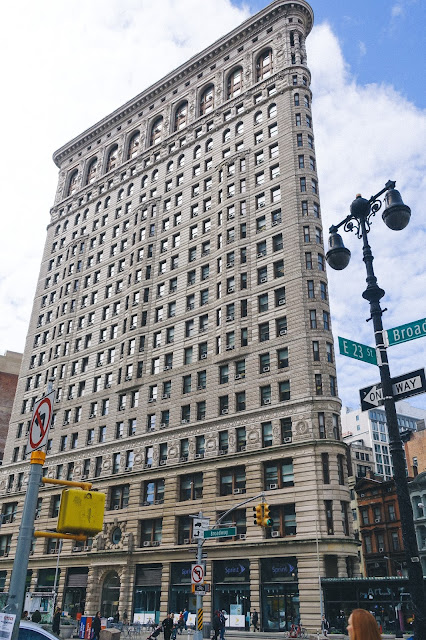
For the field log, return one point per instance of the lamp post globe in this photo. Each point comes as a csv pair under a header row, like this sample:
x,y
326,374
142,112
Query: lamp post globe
x,y
396,214
338,256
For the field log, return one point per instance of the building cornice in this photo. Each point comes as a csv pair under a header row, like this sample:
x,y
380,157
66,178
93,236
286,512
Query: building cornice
x,y
197,62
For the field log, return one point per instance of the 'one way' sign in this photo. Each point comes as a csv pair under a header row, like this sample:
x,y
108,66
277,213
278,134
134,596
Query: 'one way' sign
x,y
409,384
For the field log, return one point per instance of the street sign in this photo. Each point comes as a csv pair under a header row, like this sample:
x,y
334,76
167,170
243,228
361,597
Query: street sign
x,y
40,422
405,386
357,350
406,332
199,525
197,573
201,589
220,533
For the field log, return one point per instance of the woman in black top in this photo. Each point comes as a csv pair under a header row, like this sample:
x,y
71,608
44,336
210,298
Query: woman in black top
x,y
96,626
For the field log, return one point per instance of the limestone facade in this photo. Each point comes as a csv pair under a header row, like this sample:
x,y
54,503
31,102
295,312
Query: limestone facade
x,y
182,311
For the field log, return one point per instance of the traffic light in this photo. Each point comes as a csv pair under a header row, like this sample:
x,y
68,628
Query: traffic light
x,y
267,520
258,514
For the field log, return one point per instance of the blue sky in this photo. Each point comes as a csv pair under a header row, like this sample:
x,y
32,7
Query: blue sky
x,y
65,70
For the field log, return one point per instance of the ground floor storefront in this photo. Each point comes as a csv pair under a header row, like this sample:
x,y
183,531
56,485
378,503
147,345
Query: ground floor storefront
x,y
387,599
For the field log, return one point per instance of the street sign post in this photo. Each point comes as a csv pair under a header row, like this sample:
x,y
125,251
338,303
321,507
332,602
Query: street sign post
x,y
405,386
220,533
199,525
357,350
40,422
405,332
197,573
201,589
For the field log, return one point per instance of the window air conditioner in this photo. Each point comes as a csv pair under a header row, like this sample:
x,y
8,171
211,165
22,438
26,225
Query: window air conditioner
x,y
77,548
166,395
127,468
288,439
262,280
163,462
146,544
381,549
148,465
86,548
237,376
242,536
203,356
239,491
275,222
199,455
275,534
224,411
229,265
231,289
184,421
229,318
230,347
152,399
281,301
92,415
376,519
163,425
84,477
283,332
267,401
261,204
273,486
243,447
183,459
156,543
223,452
186,541
265,369
116,507
260,255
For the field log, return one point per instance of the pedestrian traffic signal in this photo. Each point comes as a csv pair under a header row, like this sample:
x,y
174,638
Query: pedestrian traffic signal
x,y
266,520
258,514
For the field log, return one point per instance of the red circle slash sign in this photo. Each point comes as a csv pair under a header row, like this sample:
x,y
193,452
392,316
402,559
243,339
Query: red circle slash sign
x,y
197,574
40,422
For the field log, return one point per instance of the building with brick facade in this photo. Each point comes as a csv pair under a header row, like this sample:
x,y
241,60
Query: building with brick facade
x,y
182,310
10,365
415,449
380,527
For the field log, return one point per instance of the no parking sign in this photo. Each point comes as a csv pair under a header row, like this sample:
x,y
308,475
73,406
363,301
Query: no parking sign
x,y
40,423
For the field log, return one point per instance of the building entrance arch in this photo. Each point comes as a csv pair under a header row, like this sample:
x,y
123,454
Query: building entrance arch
x,y
110,594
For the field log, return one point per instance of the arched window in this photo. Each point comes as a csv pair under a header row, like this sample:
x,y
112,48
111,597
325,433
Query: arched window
x,y
239,128
120,194
207,100
209,145
65,225
306,101
156,131
234,84
130,189
91,171
181,161
197,152
296,100
264,65
154,175
72,183
226,135
134,143
144,182
181,116
258,117
169,168
272,110
112,158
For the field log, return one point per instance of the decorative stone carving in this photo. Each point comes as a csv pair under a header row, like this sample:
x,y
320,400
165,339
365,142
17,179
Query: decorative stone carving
x,y
301,428
253,436
211,444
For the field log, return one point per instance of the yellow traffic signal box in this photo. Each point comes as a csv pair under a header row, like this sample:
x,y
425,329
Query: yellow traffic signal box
x,y
258,514
267,520
81,512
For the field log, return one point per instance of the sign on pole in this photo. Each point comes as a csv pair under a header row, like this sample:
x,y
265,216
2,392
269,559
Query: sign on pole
x,y
197,573
221,533
405,332
405,386
201,589
199,525
40,423
357,350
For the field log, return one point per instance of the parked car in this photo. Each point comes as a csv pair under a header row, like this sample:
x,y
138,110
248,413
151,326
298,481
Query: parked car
x,y
32,631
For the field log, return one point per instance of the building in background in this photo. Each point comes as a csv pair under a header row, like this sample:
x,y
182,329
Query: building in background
x,y
10,365
380,528
370,429
182,310
417,488
415,449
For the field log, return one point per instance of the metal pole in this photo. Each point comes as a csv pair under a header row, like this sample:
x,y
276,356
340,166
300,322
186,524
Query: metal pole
x,y
55,586
319,574
198,634
15,600
373,294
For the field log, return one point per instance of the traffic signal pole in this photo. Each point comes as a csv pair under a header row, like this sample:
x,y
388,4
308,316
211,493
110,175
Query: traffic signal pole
x,y
17,585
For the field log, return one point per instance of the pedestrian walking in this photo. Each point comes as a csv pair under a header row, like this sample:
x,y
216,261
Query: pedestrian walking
x,y
223,620
362,625
185,617
96,626
255,620
167,627
181,623
56,621
325,626
216,624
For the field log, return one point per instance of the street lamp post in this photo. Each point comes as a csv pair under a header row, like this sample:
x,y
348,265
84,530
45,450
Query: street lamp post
x,y
396,215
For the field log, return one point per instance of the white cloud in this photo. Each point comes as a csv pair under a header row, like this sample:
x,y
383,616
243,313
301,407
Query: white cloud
x,y
71,64
362,48
366,135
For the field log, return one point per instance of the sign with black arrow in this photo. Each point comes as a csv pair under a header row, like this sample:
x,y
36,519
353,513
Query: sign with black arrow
x,y
405,386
